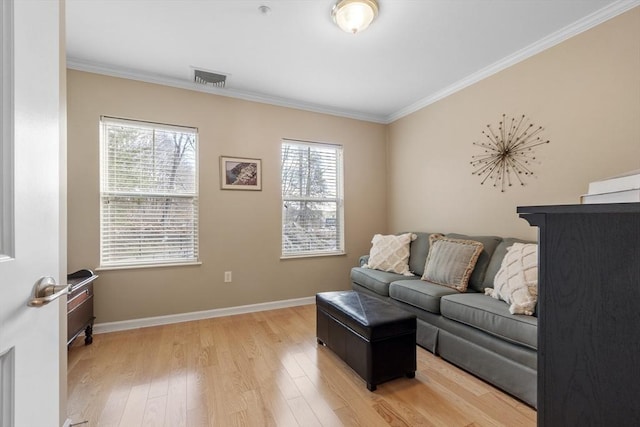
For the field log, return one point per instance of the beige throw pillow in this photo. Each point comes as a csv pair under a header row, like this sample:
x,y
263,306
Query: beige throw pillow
x,y
391,253
451,261
516,282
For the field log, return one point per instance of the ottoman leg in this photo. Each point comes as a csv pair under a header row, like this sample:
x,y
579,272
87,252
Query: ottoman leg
x,y
411,374
371,387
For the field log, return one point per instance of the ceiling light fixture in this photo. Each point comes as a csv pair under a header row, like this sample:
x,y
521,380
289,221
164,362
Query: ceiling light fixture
x,y
354,16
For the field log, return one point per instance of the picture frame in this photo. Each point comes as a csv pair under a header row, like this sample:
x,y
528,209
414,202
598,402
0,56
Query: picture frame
x,y
240,173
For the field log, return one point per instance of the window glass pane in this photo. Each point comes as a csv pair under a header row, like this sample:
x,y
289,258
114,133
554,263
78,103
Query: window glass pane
x,y
175,161
309,171
140,160
152,229
310,227
129,163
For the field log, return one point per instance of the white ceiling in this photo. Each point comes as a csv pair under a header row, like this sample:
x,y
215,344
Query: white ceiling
x,y
416,52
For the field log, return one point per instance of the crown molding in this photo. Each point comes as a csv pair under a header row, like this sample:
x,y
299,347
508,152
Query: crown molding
x,y
580,26
125,73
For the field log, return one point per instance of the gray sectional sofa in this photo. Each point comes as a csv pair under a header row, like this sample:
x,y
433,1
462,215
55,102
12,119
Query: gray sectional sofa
x,y
471,330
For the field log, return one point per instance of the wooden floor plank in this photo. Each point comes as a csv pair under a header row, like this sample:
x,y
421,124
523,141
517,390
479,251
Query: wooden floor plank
x,y
303,413
276,404
318,403
265,369
154,412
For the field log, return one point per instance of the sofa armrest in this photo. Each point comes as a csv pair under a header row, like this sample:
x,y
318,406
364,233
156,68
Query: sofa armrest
x,y
363,260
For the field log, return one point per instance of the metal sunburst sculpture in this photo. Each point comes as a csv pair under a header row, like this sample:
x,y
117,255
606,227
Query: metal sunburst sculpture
x,y
509,151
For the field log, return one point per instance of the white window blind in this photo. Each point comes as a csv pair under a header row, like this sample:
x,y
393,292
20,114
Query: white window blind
x,y
312,199
149,193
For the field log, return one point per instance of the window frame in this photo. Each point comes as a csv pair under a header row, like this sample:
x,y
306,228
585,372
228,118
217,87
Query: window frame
x,y
338,199
105,264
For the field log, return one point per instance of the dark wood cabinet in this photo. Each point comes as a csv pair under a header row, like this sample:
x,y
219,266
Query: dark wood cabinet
x,y
588,314
80,306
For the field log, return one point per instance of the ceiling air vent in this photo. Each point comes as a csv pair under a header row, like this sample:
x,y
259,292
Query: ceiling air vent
x,y
209,78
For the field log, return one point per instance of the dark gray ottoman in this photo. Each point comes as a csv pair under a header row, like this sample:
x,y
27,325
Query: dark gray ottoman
x,y
375,338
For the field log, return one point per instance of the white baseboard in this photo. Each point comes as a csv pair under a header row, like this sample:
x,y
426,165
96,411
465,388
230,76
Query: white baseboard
x,y
101,328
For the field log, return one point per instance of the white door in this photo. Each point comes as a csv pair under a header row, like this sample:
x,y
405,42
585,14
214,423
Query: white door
x,y
32,214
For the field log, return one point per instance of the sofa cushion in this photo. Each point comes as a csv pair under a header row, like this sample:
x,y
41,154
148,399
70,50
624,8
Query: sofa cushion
x,y
390,253
496,260
517,280
363,260
451,261
489,243
419,252
491,316
420,294
375,280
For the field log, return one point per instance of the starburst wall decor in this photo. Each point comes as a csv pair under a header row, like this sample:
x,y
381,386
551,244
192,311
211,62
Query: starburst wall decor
x,y
507,152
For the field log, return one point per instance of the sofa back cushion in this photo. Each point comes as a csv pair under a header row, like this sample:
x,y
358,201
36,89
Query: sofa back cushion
x,y
496,260
490,243
419,252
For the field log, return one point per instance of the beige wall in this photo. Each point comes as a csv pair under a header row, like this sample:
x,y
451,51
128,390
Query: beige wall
x,y
239,230
585,92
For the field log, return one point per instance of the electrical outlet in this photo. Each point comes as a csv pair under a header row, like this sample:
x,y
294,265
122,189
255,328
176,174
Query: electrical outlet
x,y
227,277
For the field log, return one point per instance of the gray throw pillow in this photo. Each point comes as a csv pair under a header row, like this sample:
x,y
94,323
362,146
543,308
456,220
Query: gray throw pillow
x,y
451,261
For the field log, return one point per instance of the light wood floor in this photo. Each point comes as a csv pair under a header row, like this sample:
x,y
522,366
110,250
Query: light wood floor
x,y
264,369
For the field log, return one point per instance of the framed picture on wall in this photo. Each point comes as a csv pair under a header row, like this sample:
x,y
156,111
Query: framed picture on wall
x,y
238,173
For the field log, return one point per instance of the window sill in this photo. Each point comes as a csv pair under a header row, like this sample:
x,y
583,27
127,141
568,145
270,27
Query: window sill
x,y
286,257
137,266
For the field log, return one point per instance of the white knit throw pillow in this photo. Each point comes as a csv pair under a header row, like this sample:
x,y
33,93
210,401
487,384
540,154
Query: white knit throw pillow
x,y
391,253
516,282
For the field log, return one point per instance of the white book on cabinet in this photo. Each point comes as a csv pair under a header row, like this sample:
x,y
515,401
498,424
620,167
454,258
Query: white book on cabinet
x,y
618,183
624,196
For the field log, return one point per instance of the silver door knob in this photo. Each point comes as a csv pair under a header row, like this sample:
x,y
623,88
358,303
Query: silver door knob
x,y
45,290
